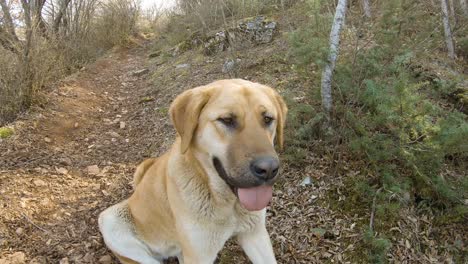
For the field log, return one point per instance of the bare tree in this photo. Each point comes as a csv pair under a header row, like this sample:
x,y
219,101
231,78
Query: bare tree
x,y
366,7
447,29
10,27
28,23
58,19
338,21
37,6
8,37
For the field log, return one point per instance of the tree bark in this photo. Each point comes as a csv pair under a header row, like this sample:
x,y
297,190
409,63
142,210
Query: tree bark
x,y
338,21
61,12
27,73
37,16
6,43
464,7
366,7
10,26
447,29
452,12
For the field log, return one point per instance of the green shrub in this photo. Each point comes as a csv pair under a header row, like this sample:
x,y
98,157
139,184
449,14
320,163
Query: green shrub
x,y
389,116
376,247
6,132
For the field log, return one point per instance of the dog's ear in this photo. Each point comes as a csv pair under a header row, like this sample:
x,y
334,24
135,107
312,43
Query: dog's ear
x,y
282,112
185,111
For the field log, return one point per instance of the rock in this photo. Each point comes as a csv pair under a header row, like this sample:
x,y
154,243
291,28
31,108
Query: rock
x,y
19,231
64,261
299,99
122,125
318,232
39,183
48,140
155,54
231,66
113,134
217,43
15,258
106,259
182,66
38,260
93,169
139,73
88,258
65,161
306,181
62,170
260,30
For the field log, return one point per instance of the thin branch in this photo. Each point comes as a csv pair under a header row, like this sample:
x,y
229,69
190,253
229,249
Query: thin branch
x,y
36,226
372,216
10,27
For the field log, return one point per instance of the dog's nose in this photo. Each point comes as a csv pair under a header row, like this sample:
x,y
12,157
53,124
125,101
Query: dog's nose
x,y
265,168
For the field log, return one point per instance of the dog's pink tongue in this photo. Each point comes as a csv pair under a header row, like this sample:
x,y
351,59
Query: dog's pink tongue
x,y
256,198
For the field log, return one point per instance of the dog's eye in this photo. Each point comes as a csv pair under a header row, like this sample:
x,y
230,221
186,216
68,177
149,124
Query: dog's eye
x,y
227,121
268,120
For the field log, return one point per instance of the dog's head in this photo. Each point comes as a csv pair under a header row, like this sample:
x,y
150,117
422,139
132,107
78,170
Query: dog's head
x,y
233,124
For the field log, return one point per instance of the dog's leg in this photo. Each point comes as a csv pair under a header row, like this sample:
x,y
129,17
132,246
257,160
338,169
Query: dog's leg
x,y
116,228
257,245
200,246
180,258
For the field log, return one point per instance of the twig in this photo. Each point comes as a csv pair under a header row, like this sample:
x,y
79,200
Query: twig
x,y
32,223
371,222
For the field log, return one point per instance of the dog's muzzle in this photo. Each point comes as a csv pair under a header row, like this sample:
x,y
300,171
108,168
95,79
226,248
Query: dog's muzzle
x,y
255,192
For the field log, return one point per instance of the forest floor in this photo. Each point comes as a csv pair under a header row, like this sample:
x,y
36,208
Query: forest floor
x,y
75,156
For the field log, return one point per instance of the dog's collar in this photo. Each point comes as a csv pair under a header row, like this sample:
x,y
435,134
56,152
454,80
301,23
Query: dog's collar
x,y
223,174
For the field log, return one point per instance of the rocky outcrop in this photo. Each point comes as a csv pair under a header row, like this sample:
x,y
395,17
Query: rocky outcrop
x,y
258,30
250,31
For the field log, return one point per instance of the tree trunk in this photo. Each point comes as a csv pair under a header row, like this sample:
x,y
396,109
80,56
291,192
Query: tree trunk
x,y
464,7
366,7
338,21
27,73
63,7
37,16
452,13
10,27
27,21
447,29
7,43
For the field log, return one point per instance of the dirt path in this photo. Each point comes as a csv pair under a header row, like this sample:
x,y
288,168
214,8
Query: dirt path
x,y
68,162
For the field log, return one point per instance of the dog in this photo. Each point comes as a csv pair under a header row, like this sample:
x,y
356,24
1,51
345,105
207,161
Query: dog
x,y
214,183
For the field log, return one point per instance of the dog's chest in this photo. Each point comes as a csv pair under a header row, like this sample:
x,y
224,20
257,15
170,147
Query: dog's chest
x,y
237,221
165,249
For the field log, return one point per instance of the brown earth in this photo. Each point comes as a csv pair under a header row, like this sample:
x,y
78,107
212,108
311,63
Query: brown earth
x,y
50,194
70,160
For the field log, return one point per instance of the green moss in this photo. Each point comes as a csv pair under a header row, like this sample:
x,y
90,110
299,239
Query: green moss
x,y
163,110
6,132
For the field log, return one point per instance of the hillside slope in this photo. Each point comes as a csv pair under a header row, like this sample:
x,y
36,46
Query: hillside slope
x,y
67,162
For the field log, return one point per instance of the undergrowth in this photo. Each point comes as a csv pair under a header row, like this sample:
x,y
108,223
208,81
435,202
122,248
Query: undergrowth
x,y
387,115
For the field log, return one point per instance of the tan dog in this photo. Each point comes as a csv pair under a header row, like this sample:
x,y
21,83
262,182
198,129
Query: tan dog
x,y
214,183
